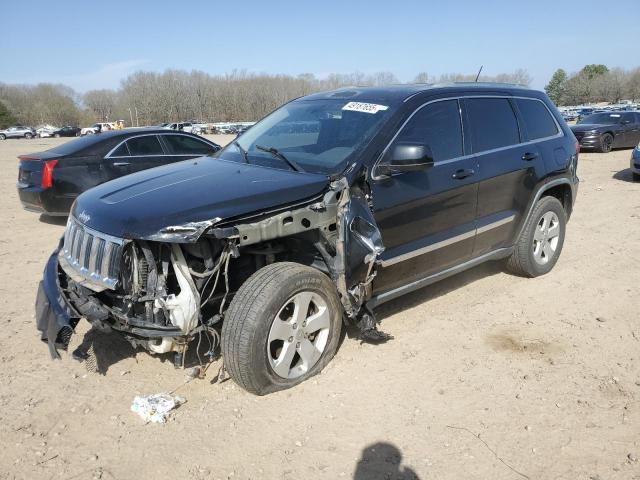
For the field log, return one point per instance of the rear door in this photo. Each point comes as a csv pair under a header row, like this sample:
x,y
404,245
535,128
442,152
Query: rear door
x,y
136,154
427,218
510,166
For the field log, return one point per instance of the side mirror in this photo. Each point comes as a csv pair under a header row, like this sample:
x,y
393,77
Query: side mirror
x,y
406,157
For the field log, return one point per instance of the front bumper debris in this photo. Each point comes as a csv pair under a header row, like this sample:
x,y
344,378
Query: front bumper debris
x,y
55,317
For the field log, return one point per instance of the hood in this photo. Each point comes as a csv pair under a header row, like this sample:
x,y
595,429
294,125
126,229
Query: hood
x,y
587,127
194,192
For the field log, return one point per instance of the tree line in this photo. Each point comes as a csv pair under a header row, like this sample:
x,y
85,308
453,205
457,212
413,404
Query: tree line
x,y
594,83
147,98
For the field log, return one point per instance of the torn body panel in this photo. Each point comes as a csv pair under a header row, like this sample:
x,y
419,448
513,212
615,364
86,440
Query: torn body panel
x,y
160,293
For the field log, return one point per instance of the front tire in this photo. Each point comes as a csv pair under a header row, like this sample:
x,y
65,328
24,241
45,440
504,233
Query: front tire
x,y
636,177
57,135
606,143
2,136
28,136
540,243
282,327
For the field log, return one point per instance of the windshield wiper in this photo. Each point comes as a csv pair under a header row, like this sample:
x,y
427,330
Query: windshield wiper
x,y
242,151
276,153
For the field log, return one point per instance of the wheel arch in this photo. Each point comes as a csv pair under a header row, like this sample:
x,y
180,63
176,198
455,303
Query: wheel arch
x,y
560,188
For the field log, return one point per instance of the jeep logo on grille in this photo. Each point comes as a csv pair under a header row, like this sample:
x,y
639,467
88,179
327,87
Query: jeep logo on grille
x,y
84,217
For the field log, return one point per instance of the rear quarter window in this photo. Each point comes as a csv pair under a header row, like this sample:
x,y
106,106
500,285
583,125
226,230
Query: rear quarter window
x,y
491,123
537,119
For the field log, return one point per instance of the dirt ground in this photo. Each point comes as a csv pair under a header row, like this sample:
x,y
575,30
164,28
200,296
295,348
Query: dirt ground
x,y
490,376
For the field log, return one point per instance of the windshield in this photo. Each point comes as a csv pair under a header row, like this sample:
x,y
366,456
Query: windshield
x,y
601,119
315,136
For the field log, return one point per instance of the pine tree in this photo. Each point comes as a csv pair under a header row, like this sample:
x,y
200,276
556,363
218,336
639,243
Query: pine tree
x,y
556,86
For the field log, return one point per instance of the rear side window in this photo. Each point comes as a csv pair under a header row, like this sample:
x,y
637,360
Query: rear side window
x,y
492,124
147,145
537,119
437,125
183,145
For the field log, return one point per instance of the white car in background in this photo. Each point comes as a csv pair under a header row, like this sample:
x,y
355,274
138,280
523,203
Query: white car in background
x,y
44,131
104,127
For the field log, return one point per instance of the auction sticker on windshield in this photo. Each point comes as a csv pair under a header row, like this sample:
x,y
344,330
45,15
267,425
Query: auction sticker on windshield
x,y
364,107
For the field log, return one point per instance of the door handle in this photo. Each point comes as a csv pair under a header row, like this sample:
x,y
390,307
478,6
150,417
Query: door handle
x,y
121,164
463,173
528,156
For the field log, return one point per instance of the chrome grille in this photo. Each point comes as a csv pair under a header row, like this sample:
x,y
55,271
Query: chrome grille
x,y
91,258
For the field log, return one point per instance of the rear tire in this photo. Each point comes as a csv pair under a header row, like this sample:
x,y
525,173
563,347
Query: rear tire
x,y
3,137
606,143
540,243
267,344
57,135
636,177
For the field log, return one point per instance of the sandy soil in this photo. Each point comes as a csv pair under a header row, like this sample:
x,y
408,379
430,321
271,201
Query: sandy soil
x,y
489,376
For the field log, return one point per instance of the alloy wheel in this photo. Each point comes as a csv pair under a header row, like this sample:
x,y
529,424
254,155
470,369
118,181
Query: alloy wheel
x,y
298,335
546,238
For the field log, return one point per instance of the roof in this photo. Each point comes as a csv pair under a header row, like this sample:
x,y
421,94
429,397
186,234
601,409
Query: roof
x,y
399,93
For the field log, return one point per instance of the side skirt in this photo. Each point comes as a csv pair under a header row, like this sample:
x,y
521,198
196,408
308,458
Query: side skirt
x,y
423,282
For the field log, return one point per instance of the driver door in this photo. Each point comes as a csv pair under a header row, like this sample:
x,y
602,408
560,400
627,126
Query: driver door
x,y
427,218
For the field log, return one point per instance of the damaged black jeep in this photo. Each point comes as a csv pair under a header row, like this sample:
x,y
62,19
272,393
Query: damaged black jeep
x,y
331,205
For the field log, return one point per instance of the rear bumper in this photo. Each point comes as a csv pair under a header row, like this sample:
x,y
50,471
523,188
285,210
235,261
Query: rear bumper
x,y
56,318
39,200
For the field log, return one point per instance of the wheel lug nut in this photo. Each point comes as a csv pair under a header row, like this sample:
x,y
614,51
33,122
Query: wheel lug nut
x,y
295,325
298,345
290,339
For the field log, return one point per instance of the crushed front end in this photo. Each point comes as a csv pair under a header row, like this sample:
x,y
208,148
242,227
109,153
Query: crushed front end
x,y
162,291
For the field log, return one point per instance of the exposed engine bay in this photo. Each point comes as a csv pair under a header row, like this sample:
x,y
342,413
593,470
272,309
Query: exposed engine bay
x,y
162,291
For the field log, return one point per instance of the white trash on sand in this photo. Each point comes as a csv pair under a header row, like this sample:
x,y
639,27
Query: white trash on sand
x,y
155,408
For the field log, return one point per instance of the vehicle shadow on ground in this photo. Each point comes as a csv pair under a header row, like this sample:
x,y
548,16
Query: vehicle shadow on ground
x,y
382,461
438,289
48,219
624,175
100,350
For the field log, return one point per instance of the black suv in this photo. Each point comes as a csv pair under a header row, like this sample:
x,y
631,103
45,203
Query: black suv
x,y
328,207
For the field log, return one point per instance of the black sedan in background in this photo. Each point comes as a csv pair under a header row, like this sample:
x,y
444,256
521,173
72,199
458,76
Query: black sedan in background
x,y
605,131
49,182
66,132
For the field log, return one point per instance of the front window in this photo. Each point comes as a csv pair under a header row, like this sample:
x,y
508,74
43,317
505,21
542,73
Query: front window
x,y
601,119
316,136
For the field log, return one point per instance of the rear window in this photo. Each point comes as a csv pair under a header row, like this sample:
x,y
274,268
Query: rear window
x,y
492,123
537,119
184,145
147,145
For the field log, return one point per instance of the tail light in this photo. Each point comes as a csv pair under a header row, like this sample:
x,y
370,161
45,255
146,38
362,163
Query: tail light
x,y
47,173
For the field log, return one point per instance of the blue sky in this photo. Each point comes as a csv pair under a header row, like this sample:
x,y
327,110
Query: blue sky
x,y
94,44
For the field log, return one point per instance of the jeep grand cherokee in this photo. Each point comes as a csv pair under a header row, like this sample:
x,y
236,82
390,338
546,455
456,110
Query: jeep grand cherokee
x,y
328,207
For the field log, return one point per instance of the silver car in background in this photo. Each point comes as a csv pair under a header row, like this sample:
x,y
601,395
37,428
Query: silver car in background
x,y
17,132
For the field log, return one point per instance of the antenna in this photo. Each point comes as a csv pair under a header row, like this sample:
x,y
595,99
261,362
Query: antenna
x,y
479,71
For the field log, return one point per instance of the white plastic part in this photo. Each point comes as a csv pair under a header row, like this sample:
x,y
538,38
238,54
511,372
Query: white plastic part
x,y
184,307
